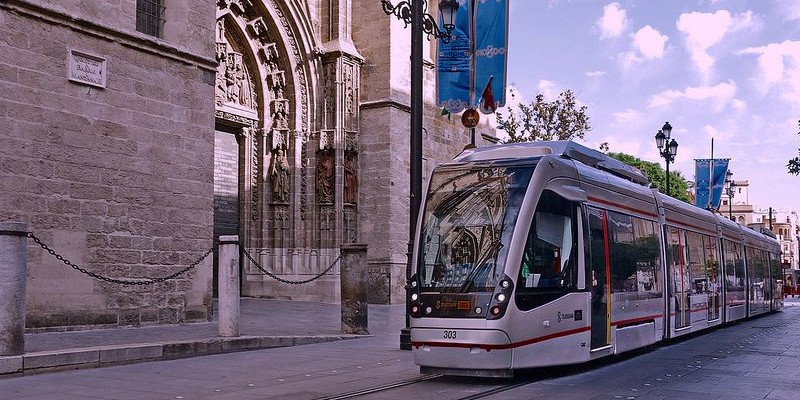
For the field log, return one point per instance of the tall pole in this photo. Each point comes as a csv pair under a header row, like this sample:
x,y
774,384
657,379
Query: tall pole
x,y
667,159
416,149
730,205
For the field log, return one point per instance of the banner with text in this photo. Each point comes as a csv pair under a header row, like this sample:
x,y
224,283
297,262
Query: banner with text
x,y
472,73
453,62
491,43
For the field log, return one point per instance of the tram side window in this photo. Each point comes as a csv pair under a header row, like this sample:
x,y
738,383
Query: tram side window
x,y
634,255
549,261
702,266
734,271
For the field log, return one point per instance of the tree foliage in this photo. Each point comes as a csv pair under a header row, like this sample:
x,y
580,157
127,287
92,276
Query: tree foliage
x,y
560,119
679,187
794,164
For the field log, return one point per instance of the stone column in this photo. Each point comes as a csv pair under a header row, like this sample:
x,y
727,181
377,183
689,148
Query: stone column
x,y
13,272
353,267
228,286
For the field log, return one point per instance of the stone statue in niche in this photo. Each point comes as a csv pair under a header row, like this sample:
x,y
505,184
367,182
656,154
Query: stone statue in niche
x,y
279,174
326,170
279,115
350,177
238,87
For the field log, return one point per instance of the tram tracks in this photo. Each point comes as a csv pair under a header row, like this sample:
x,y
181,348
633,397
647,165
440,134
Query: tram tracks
x,y
427,378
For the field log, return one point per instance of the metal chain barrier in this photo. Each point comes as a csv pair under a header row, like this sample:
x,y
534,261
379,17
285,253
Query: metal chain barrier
x,y
140,281
279,279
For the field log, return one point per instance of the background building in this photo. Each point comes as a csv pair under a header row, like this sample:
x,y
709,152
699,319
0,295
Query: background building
x,y
138,130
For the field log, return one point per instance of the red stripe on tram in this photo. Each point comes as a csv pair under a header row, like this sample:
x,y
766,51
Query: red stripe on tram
x,y
505,346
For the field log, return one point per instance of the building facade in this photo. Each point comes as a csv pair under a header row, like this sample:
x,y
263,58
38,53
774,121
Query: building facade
x,y
140,130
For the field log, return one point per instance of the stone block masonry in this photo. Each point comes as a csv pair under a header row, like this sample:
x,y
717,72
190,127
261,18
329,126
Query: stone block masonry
x,y
118,179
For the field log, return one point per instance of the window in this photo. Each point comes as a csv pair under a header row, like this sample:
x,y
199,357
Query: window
x,y
634,255
150,17
470,214
549,262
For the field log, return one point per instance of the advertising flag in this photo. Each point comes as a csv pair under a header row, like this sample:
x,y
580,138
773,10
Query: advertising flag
x,y
453,64
491,43
471,67
709,178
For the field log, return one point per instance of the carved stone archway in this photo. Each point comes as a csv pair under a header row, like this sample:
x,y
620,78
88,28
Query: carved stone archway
x,y
295,105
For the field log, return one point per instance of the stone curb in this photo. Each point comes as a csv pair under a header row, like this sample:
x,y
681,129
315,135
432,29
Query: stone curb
x,y
101,356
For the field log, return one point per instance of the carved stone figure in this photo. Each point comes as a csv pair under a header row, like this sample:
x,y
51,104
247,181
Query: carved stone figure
x,y
325,176
350,177
279,117
279,173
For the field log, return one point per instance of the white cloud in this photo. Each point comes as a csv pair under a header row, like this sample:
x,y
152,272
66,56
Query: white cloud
x,y
595,74
780,67
715,133
718,95
548,89
739,105
613,21
704,30
628,116
649,42
790,9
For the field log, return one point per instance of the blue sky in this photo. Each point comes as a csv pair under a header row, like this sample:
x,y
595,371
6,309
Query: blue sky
x,y
724,69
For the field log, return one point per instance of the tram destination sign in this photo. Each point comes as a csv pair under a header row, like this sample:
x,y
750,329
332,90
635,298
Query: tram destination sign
x,y
86,68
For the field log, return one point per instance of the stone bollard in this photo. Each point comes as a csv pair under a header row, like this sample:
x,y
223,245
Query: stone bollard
x,y
353,267
13,272
228,279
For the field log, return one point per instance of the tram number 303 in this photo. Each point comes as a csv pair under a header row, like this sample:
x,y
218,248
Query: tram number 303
x,y
449,334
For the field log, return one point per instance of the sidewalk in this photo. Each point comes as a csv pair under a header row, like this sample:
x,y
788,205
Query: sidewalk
x,y
263,324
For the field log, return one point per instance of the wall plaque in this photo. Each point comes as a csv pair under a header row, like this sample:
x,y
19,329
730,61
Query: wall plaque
x,y
86,68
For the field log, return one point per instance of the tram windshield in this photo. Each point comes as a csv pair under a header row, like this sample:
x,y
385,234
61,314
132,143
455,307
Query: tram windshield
x,y
469,216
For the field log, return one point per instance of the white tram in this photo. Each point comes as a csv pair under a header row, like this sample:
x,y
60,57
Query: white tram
x,y
549,253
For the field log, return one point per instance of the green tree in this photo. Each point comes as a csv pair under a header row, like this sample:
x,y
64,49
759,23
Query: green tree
x,y
560,119
679,187
794,164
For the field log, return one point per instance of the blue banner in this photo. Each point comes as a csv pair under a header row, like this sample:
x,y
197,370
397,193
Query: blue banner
x,y
491,44
453,63
709,178
473,73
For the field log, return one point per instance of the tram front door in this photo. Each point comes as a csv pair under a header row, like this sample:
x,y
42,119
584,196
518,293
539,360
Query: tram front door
x,y
600,279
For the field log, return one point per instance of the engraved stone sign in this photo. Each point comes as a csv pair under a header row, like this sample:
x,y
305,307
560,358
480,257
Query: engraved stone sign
x,y
86,68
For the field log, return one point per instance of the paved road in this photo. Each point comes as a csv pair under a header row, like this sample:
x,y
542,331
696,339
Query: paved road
x,y
755,359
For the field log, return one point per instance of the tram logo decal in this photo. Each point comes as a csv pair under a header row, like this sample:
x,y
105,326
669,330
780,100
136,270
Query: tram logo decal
x,y
457,304
577,315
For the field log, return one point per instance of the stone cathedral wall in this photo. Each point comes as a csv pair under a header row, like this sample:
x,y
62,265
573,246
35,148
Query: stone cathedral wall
x,y
115,178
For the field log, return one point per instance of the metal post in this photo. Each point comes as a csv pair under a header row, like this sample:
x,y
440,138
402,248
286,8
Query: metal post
x,y
228,286
13,272
353,287
730,206
416,149
667,159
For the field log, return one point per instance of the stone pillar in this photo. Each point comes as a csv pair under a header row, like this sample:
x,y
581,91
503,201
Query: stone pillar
x,y
353,267
13,272
228,286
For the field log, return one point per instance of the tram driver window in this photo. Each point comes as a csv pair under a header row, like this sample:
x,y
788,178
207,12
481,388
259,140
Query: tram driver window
x,y
550,255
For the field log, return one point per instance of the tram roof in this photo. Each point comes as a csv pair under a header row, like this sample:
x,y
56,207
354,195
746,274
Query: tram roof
x,y
564,148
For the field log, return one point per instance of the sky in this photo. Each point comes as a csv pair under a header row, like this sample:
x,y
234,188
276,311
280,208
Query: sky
x,y
722,69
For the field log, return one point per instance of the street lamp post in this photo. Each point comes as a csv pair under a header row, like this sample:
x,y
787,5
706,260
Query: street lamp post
x,y
413,13
729,190
667,148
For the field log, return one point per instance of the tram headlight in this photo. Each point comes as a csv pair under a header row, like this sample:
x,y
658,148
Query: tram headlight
x,y
500,299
